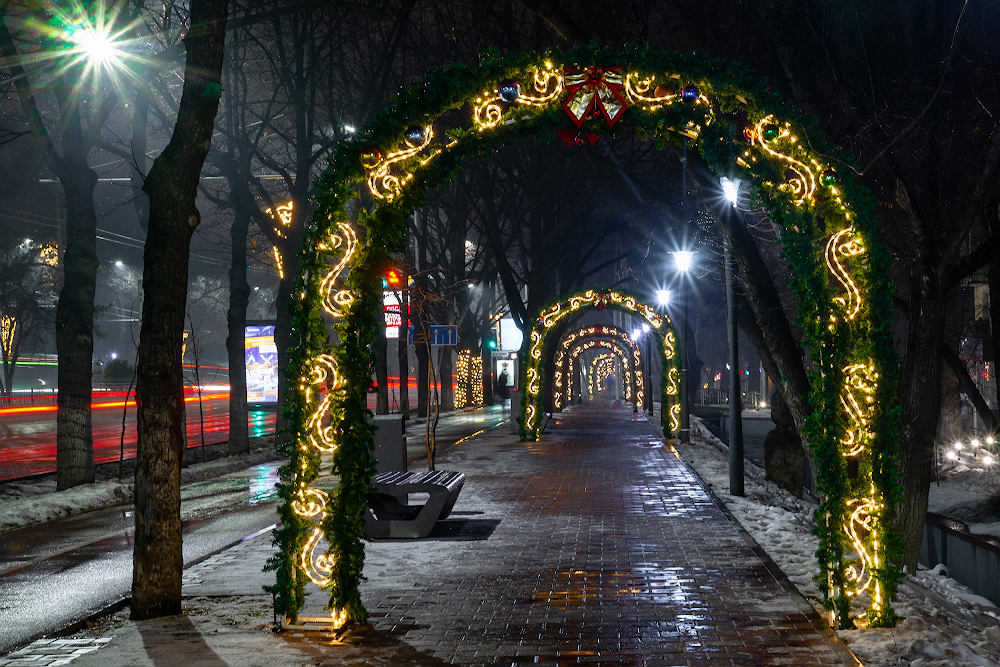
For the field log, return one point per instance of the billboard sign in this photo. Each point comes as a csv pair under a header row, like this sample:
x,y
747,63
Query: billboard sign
x,y
261,355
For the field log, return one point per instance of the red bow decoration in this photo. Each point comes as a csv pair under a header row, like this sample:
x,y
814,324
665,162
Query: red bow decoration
x,y
597,89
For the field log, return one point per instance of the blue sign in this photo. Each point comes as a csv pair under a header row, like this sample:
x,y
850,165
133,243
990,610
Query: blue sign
x,y
441,334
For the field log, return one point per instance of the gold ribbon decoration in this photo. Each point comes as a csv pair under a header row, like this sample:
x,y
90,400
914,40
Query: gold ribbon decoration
x,y
594,89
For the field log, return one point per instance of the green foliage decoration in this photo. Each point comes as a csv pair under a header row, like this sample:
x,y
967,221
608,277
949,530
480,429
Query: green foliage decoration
x,y
533,368
847,329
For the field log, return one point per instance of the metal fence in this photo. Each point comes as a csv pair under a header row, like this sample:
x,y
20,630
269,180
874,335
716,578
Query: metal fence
x,y
721,397
972,560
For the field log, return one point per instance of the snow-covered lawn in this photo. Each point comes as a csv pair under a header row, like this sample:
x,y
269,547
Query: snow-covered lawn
x,y
29,502
946,623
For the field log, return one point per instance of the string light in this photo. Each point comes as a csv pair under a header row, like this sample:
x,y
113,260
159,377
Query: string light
x,y
8,327
385,185
470,376
335,299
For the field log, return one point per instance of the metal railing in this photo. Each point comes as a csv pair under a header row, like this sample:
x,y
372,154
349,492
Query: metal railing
x,y
709,397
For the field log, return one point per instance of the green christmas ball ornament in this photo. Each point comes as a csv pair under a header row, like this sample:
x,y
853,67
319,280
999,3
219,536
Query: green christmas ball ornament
x,y
828,178
369,157
770,132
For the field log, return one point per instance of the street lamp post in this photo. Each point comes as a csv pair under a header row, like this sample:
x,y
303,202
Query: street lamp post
x,y
683,260
649,370
735,400
731,190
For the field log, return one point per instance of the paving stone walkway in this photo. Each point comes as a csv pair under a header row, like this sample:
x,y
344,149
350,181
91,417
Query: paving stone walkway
x,y
608,550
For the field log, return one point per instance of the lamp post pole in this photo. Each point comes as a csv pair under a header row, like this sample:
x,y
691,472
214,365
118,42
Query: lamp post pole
x,y
735,399
683,340
649,375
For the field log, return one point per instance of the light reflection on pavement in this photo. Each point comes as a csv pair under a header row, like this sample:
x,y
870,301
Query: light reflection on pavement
x,y
57,572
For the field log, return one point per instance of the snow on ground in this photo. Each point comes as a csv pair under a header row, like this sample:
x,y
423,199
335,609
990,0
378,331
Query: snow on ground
x,y
23,503
968,495
946,623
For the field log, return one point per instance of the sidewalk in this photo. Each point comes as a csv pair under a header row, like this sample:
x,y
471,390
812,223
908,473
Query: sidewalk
x,y
595,545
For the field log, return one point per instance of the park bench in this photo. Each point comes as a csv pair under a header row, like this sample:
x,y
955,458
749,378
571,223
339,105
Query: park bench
x,y
391,515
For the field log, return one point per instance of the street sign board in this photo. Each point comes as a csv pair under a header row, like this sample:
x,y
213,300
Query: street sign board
x,y
440,334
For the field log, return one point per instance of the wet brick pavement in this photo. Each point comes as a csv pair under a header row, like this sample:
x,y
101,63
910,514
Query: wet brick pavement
x,y
605,550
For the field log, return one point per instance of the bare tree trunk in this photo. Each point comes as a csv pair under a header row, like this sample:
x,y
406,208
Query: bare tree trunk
x,y
172,186
920,399
994,278
75,330
236,317
423,379
447,385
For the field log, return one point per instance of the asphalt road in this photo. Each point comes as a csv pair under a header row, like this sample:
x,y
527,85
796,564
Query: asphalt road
x,y
28,434
59,572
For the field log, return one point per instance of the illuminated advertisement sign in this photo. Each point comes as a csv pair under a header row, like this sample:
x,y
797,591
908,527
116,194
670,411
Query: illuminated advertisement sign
x,y
261,356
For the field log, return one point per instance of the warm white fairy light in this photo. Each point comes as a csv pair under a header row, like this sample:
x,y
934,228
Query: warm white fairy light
x,y
8,327
334,298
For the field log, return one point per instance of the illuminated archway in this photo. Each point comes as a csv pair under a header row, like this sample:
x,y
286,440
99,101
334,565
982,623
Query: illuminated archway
x,y
622,356
540,343
562,390
616,353
602,367
828,231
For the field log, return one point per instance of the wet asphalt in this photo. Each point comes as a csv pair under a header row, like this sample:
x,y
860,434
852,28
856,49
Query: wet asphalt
x,y
62,571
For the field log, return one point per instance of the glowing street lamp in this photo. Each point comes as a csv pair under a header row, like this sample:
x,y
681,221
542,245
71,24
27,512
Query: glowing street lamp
x,y
663,297
683,259
730,189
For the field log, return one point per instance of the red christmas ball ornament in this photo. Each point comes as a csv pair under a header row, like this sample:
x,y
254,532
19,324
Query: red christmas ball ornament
x,y
750,134
579,139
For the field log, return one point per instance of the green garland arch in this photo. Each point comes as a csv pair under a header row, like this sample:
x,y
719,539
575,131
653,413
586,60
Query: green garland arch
x,y
840,275
540,343
563,380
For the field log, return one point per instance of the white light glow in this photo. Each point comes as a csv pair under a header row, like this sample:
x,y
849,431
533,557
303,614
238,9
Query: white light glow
x,y
119,264
988,460
957,446
683,260
663,297
989,441
96,44
636,334
951,456
730,189
645,328
975,443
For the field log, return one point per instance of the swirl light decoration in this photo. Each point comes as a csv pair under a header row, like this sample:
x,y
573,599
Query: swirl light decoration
x,y
551,316
345,240
562,390
617,351
825,219
602,367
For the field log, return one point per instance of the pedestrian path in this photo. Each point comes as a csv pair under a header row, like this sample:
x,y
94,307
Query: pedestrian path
x,y
595,545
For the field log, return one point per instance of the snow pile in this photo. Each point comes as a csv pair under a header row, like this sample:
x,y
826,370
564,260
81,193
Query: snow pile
x,y
946,623
45,506
29,502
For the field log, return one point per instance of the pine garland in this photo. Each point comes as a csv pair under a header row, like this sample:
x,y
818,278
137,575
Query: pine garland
x,y
834,345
